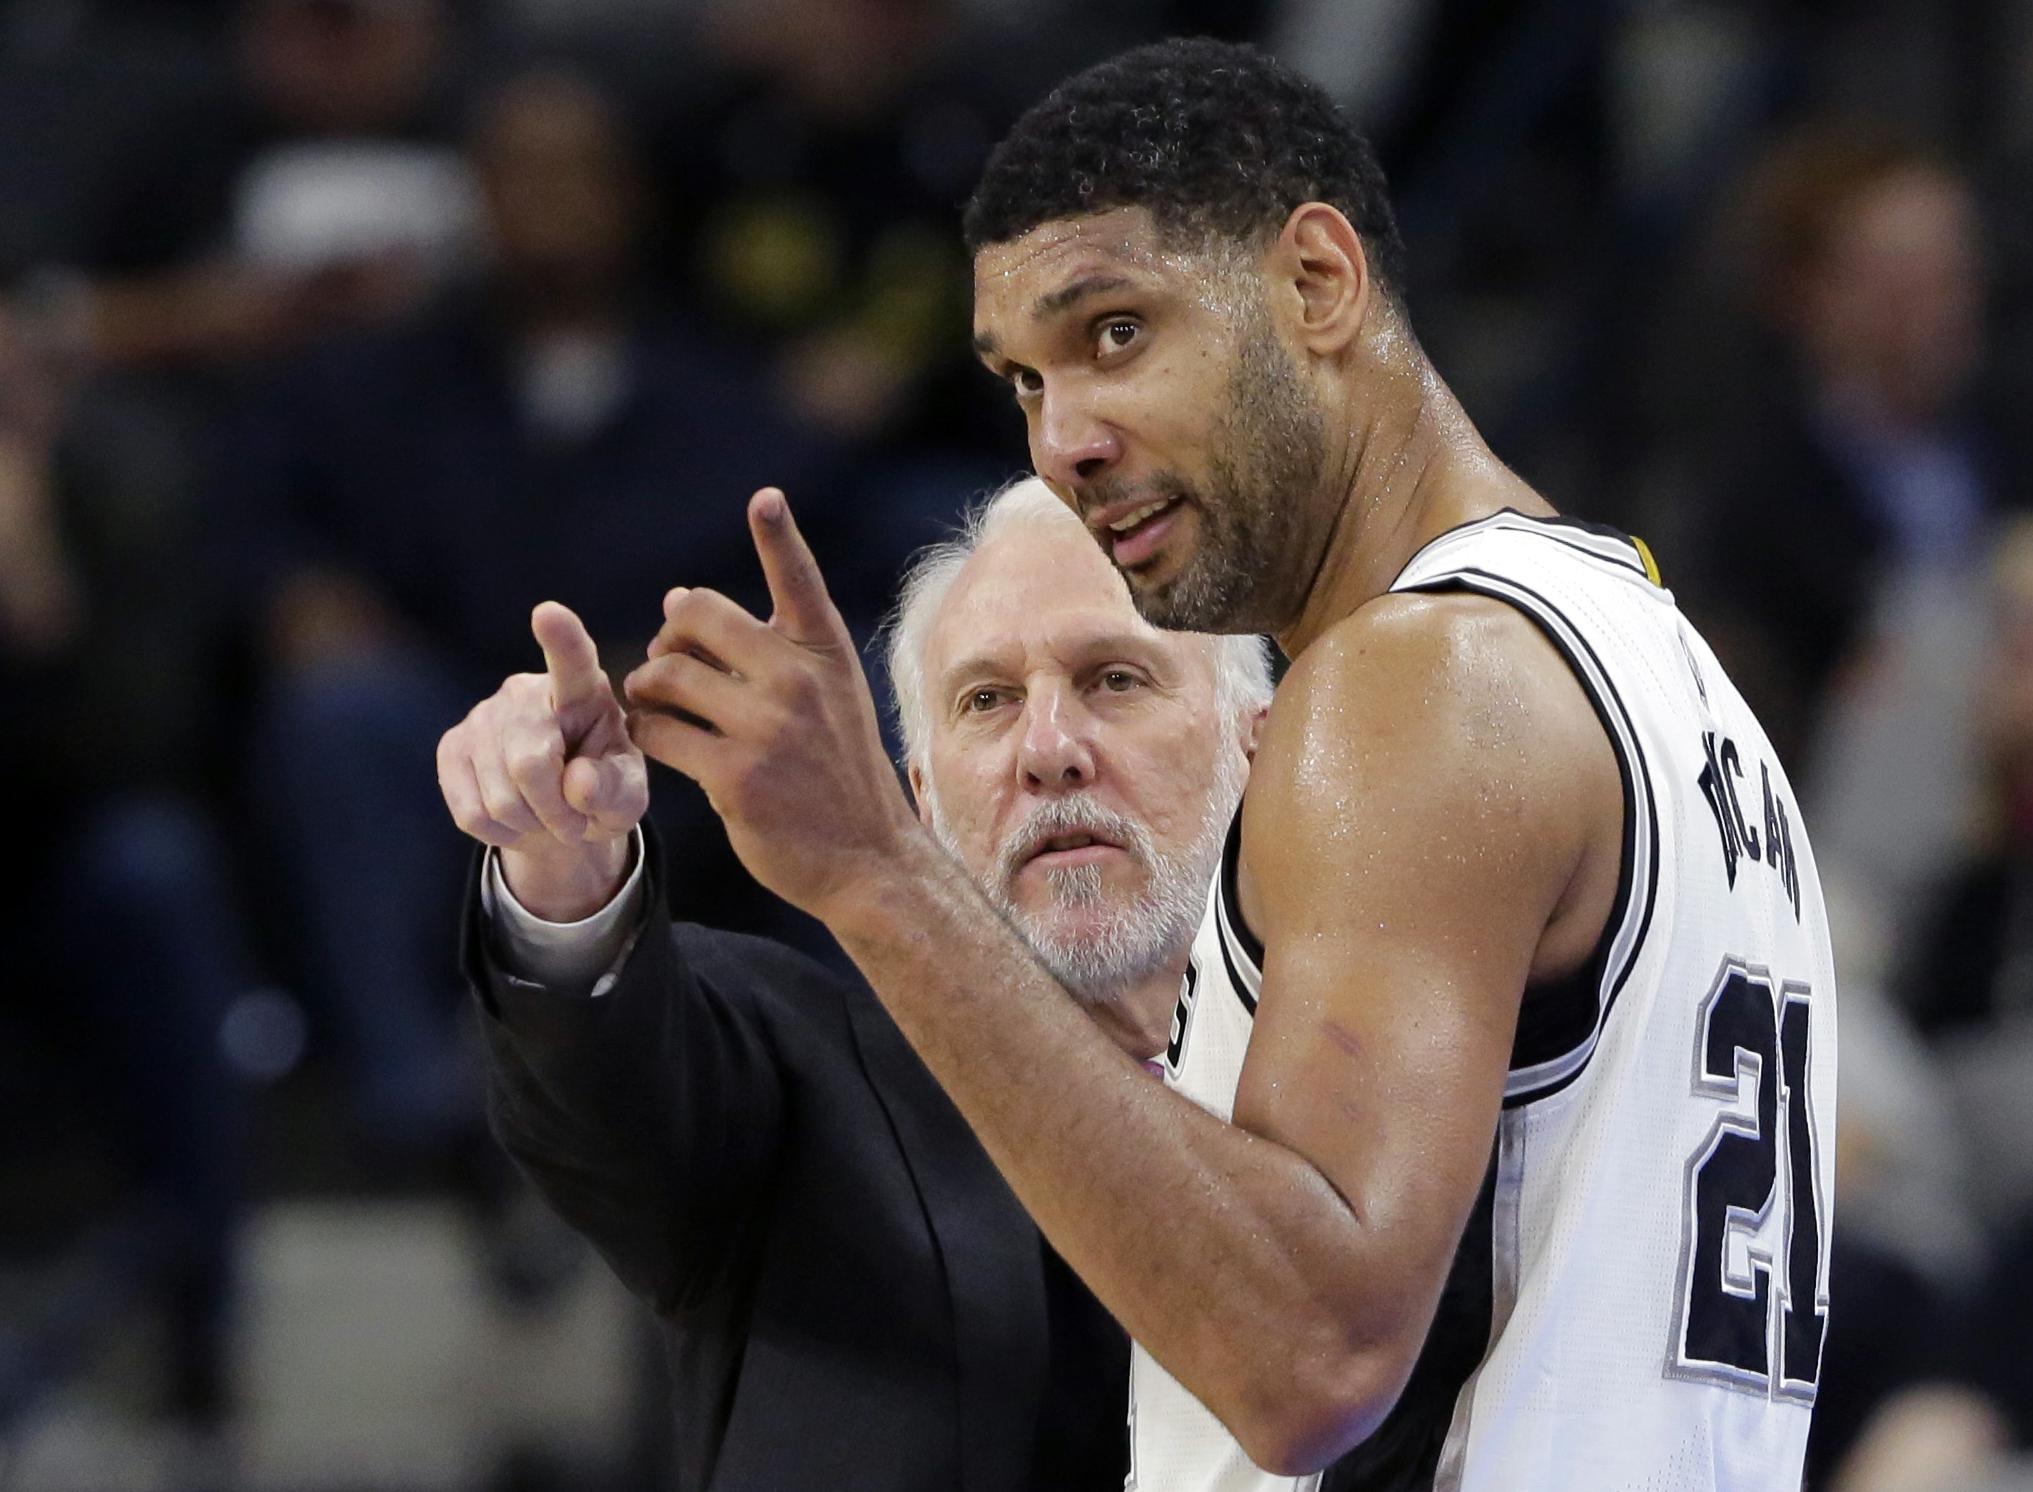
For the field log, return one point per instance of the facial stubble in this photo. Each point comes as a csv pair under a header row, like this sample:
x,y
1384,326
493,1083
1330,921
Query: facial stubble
x,y
1266,451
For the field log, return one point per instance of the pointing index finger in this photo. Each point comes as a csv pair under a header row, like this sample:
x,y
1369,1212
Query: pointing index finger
x,y
804,611
570,658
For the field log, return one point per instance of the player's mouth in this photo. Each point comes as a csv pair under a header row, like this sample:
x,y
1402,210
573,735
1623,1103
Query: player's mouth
x,y
1132,533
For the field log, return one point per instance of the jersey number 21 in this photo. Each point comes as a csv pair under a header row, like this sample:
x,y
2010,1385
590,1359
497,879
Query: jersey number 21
x,y
1745,1317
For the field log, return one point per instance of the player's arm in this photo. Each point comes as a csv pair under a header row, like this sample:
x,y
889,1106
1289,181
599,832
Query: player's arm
x,y
1432,822
1416,818
1419,773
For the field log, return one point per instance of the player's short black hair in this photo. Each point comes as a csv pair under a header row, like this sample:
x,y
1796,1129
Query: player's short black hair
x,y
1211,137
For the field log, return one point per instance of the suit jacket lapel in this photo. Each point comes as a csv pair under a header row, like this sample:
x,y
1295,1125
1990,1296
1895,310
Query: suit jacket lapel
x,y
990,1250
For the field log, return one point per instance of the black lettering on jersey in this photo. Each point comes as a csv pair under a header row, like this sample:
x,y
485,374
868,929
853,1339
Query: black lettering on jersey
x,y
1726,1320
1722,769
1792,865
1806,1313
1734,763
1182,1016
1779,842
1713,789
1772,835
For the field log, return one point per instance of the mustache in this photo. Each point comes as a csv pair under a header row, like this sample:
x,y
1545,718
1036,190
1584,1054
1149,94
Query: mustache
x,y
1055,817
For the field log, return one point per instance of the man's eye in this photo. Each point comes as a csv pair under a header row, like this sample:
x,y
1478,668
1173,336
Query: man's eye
x,y
1120,681
980,701
1118,334
1026,382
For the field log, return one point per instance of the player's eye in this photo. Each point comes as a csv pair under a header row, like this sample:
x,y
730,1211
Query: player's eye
x,y
1116,334
1027,382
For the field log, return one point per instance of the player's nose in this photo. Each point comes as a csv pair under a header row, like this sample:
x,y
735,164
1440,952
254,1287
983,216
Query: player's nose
x,y
1054,753
1071,446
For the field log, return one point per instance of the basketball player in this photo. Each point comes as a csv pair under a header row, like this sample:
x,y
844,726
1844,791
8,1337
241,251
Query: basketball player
x,y
1496,1146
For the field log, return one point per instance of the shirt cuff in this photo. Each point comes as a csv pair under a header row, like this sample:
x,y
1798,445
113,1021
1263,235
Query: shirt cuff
x,y
582,957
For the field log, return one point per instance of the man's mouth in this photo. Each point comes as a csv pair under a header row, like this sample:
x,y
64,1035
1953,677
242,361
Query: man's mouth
x,y
1075,847
1132,537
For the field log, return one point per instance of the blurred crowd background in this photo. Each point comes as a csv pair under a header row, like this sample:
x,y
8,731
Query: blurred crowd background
x,y
336,333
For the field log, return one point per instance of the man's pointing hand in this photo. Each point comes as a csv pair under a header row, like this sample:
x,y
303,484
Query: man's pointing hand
x,y
774,720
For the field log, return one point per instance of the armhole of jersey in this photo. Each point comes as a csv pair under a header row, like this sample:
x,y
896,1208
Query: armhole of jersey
x,y
1560,1023
1241,950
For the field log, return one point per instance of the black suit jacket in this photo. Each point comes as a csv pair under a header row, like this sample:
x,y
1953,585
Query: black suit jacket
x,y
851,1296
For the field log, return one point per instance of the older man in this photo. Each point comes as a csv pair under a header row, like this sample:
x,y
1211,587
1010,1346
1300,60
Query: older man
x,y
850,1294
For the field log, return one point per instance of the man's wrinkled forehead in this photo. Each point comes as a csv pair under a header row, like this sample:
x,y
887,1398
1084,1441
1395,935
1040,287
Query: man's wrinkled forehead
x,y
1124,235
1025,277
1043,592
1040,577
1026,285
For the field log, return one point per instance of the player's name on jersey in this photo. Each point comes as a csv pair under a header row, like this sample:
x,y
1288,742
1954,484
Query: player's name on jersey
x,y
1722,770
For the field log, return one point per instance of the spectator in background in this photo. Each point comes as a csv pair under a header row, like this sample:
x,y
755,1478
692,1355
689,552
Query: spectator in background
x,y
820,173
1967,972
1852,505
815,174
125,948
546,430
314,187
1927,1386
1866,268
303,194
1972,963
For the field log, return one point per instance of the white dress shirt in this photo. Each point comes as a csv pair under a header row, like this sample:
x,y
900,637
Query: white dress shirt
x,y
580,958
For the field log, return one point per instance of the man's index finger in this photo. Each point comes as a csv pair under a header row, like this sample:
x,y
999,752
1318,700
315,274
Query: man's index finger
x,y
804,611
570,658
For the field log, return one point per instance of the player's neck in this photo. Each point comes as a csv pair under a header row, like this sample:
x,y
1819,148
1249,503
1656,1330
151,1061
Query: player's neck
x,y
1416,467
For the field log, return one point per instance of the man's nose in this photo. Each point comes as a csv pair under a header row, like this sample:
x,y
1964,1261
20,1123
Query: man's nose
x,y
1055,754
1072,446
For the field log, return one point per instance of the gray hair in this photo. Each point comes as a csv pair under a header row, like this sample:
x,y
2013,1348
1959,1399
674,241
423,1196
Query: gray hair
x,y
1242,664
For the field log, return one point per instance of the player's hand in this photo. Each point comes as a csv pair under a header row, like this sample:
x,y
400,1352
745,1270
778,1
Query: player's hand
x,y
544,770
774,720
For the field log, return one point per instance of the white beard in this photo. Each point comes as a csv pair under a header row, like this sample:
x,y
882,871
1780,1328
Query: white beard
x,y
1110,945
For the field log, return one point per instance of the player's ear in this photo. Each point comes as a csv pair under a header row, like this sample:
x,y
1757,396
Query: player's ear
x,y
1253,731
1320,257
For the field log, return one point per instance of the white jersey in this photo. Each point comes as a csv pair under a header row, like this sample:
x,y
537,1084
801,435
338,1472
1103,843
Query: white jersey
x,y
1639,1299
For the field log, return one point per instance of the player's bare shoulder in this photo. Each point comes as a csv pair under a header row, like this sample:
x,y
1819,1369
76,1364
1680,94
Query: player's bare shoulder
x,y
1472,683
1436,729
